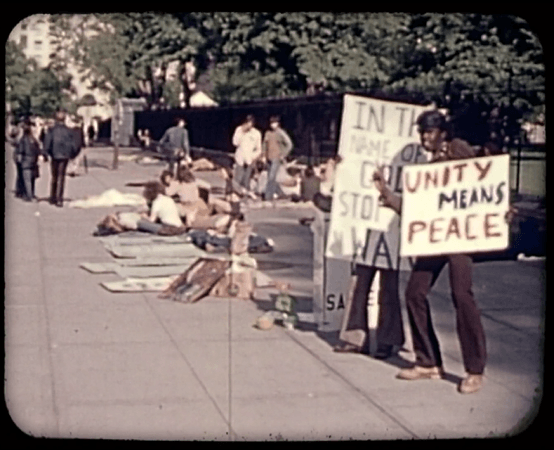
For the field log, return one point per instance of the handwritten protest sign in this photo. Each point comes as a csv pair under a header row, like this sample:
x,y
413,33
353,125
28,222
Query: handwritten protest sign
x,y
373,133
455,206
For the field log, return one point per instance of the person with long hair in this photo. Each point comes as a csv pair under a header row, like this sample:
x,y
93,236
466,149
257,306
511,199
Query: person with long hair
x,y
196,212
162,210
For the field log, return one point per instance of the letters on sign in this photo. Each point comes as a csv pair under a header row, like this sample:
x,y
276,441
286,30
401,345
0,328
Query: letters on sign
x,y
374,133
456,206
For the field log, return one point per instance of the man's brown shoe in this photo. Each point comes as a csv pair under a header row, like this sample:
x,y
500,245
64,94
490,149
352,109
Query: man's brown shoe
x,y
345,347
420,373
470,384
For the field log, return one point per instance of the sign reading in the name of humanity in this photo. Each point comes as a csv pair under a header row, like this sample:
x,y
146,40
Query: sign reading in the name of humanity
x,y
456,206
373,133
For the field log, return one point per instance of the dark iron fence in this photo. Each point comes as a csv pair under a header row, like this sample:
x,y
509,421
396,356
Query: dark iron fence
x,y
313,122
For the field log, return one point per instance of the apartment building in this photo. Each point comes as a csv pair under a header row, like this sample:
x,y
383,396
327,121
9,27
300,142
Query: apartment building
x,y
34,33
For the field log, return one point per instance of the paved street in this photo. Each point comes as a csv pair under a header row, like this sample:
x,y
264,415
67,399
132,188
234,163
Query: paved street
x,y
86,363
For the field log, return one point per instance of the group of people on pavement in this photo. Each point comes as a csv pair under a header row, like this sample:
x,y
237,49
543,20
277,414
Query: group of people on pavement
x,y
437,139
60,144
252,154
181,201
260,166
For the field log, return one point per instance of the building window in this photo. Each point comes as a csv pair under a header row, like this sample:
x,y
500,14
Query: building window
x,y
38,45
23,41
23,26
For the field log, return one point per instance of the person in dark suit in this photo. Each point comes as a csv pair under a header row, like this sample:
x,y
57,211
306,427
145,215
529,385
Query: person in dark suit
x,y
26,156
60,144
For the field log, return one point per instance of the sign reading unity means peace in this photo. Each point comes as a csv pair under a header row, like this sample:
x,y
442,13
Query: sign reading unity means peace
x,y
456,206
373,133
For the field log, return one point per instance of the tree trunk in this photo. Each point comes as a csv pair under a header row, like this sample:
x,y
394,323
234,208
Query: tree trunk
x,y
185,83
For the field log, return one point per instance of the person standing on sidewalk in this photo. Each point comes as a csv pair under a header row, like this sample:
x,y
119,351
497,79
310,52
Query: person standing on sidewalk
x,y
80,142
175,143
435,138
60,145
12,139
276,145
354,332
248,142
26,156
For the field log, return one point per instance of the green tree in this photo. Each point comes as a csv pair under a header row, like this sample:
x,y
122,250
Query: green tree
x,y
31,90
126,55
277,54
470,63
476,65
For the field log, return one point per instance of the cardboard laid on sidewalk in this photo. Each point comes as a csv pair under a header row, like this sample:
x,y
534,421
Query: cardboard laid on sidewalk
x,y
112,266
102,267
150,271
156,249
154,284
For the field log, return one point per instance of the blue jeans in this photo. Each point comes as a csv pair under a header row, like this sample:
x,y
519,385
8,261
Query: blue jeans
x,y
242,175
150,227
272,187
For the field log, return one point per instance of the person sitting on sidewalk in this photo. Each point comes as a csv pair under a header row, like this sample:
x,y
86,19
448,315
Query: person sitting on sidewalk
x,y
258,182
162,209
162,216
309,186
195,210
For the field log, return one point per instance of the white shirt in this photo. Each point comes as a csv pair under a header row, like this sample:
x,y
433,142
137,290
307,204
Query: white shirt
x,y
165,209
249,145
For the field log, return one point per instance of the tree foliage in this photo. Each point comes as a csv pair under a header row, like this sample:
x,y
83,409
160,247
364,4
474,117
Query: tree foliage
x,y
31,90
456,60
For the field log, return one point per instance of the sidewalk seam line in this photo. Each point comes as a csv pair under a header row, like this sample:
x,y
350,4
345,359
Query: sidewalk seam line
x,y
204,388
48,331
355,388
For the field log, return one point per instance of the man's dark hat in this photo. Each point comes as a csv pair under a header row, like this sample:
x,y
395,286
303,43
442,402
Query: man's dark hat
x,y
431,119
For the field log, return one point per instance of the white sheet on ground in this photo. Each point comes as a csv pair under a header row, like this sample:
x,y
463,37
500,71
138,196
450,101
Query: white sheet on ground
x,y
111,197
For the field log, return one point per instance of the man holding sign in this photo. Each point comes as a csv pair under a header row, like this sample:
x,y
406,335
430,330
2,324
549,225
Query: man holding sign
x,y
442,236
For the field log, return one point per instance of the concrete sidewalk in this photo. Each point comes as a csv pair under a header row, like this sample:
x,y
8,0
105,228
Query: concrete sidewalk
x,y
82,362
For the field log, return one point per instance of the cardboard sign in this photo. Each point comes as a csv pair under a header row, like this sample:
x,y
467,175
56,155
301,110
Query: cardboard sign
x,y
331,278
373,133
456,206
